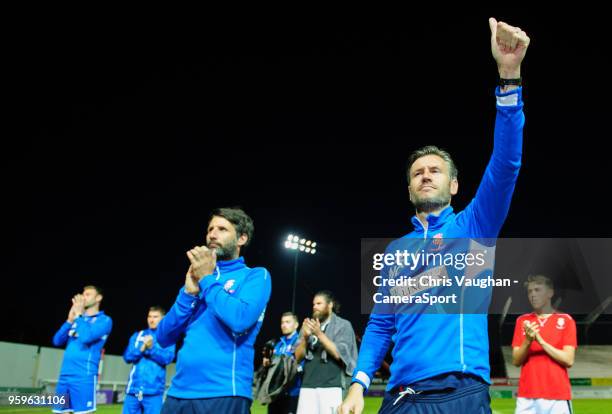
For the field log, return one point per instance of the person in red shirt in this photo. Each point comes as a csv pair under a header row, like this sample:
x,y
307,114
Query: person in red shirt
x,y
544,345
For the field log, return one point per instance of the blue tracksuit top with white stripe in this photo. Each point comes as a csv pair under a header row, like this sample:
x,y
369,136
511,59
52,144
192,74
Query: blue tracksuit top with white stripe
x,y
84,339
428,345
148,375
220,326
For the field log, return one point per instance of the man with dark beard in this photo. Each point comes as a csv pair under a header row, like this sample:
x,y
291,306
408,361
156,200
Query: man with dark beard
x,y
328,346
441,361
220,310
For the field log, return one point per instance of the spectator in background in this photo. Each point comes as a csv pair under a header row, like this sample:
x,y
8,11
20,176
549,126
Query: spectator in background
x,y
147,381
330,351
544,345
287,403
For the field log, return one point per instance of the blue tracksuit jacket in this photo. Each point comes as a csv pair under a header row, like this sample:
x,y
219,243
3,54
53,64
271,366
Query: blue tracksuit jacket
x,y
427,345
220,327
84,340
148,375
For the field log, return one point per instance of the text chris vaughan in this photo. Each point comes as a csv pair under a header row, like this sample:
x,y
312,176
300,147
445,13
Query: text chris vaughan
x,y
427,281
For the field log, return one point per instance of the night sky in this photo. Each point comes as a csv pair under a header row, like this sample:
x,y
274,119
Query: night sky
x,y
127,136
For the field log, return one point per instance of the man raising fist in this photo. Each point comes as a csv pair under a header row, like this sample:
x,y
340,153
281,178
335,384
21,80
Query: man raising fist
x,y
441,361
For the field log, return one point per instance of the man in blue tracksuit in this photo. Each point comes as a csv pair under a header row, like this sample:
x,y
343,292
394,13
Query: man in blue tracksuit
x,y
441,361
220,310
145,389
84,334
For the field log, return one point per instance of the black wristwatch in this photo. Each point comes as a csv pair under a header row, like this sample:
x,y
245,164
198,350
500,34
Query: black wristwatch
x,y
505,82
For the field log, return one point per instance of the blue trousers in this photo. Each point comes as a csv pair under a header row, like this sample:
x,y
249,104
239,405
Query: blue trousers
x,y
150,404
233,405
473,399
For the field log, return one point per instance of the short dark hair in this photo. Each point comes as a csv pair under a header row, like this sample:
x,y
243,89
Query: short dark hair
x,y
329,298
241,221
96,288
432,150
289,313
540,279
157,309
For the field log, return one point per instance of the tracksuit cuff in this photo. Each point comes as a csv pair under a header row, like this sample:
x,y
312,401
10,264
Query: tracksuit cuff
x,y
509,98
363,379
186,299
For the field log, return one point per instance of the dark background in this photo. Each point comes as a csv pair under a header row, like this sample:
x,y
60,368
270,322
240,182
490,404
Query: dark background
x,y
127,133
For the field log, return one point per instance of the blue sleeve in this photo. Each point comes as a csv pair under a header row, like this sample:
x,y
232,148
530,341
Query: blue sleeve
x,y
241,310
176,320
490,206
163,356
88,333
277,347
374,347
378,333
132,353
61,336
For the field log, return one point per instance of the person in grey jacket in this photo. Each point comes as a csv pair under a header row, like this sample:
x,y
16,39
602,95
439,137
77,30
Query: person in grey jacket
x,y
329,349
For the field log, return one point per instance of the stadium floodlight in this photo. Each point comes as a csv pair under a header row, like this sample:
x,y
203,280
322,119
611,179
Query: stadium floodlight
x,y
299,244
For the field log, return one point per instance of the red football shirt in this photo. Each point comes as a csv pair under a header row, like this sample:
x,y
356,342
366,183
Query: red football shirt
x,y
542,376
